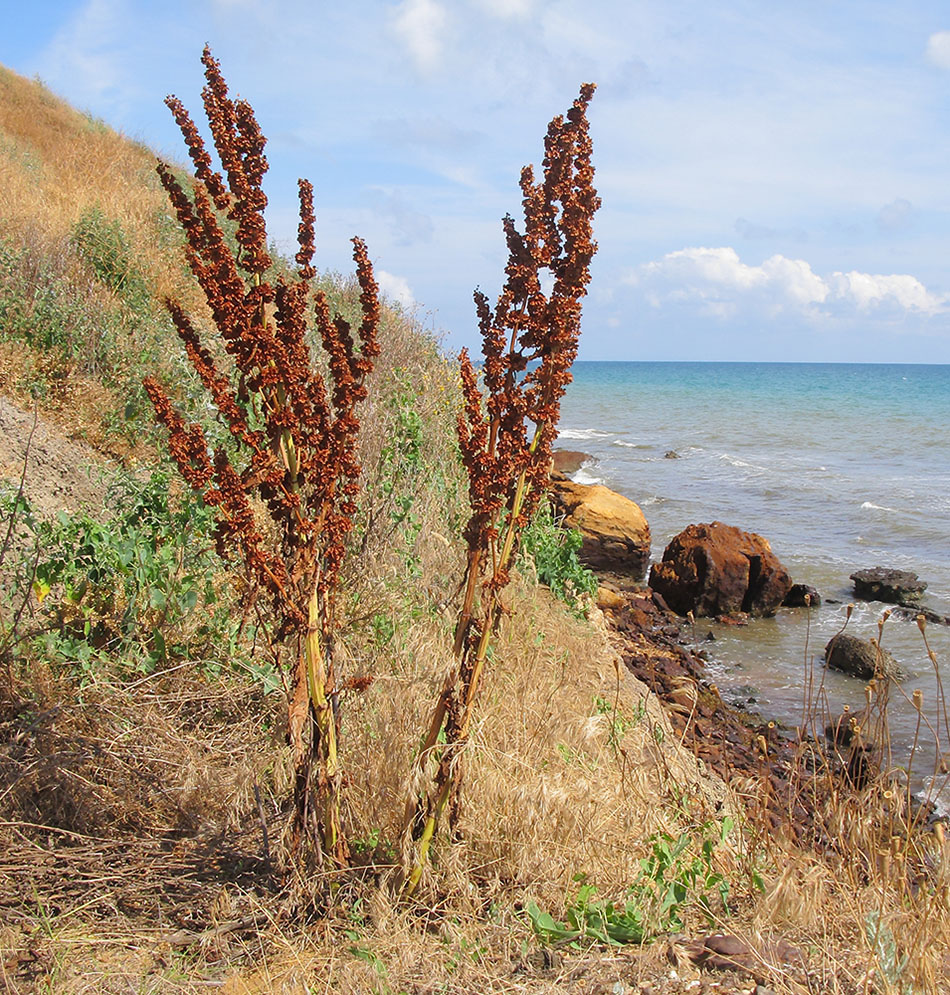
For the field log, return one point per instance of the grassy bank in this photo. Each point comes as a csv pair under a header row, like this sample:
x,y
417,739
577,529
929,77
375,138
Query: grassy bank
x,y
145,776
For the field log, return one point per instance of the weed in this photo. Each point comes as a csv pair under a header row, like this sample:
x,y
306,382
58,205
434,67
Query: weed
x,y
881,940
677,875
553,550
529,343
294,433
618,722
103,245
143,579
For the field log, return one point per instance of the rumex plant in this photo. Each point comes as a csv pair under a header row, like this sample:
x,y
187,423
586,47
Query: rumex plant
x,y
529,342
284,490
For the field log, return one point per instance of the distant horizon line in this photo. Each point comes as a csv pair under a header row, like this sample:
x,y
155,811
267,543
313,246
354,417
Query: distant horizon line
x,y
761,362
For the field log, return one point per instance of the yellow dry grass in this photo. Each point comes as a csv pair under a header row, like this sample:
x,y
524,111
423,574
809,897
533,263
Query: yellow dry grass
x,y
56,163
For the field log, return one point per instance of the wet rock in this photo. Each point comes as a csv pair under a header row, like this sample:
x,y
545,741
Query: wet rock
x,y
606,598
881,584
861,658
911,612
801,596
736,619
615,532
717,569
568,461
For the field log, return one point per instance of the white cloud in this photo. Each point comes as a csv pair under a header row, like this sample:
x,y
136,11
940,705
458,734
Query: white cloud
x,y
508,9
396,288
720,284
83,52
867,291
938,49
421,24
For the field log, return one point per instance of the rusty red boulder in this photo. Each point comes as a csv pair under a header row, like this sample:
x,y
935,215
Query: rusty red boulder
x,y
717,569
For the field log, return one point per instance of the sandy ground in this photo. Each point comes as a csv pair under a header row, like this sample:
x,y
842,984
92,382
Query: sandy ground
x,y
61,474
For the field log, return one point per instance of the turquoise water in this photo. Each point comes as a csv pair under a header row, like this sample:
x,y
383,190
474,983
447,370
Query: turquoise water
x,y
839,466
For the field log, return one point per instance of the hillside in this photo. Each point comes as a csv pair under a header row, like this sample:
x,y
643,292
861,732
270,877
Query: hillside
x,y
145,773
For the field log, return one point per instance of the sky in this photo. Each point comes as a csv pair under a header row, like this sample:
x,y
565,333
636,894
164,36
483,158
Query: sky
x,y
775,178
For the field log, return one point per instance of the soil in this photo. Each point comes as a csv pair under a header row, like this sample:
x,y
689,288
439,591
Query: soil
x,y
61,474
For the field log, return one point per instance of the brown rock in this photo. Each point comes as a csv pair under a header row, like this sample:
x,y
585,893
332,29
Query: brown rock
x,y
609,599
567,461
616,534
717,569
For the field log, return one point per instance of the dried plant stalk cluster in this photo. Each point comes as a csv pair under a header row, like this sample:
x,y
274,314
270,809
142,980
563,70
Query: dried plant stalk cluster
x,y
529,345
302,463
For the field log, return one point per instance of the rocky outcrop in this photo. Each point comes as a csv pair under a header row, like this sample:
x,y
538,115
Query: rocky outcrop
x,y
615,533
717,569
860,658
801,596
880,584
568,461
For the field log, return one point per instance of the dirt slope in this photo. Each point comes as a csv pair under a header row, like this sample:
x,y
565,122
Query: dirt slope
x,y
61,474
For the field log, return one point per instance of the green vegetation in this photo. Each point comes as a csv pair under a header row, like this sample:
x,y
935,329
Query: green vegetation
x,y
553,550
678,874
140,588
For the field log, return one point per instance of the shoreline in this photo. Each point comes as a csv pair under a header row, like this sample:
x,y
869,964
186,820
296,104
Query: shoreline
x,y
782,776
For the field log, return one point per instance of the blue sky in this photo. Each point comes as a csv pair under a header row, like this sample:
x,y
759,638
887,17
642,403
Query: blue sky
x,y
775,177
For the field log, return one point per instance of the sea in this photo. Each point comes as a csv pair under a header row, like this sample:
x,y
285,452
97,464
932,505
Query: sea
x,y
840,467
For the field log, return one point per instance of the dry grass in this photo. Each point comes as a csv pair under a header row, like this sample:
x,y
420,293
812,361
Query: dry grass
x,y
56,163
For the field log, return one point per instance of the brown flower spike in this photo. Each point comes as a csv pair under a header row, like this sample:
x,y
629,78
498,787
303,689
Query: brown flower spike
x,y
529,343
303,462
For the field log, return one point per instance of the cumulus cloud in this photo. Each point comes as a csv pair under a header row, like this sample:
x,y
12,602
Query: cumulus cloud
x,y
420,25
396,288
938,49
867,291
720,284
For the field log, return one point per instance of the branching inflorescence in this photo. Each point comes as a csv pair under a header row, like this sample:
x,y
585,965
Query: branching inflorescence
x,y
529,343
302,464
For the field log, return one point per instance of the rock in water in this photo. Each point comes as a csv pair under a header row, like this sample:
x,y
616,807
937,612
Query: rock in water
x,y
615,532
568,461
860,658
881,584
801,596
717,569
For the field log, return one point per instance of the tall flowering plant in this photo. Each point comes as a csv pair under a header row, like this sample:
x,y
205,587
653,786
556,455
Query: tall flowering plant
x,y
529,343
285,494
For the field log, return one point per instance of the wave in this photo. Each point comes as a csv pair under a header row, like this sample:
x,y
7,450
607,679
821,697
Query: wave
x,y
631,445
735,461
582,477
582,433
869,506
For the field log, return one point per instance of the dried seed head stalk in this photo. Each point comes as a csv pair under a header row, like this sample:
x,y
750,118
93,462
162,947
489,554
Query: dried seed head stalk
x,y
529,343
303,462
